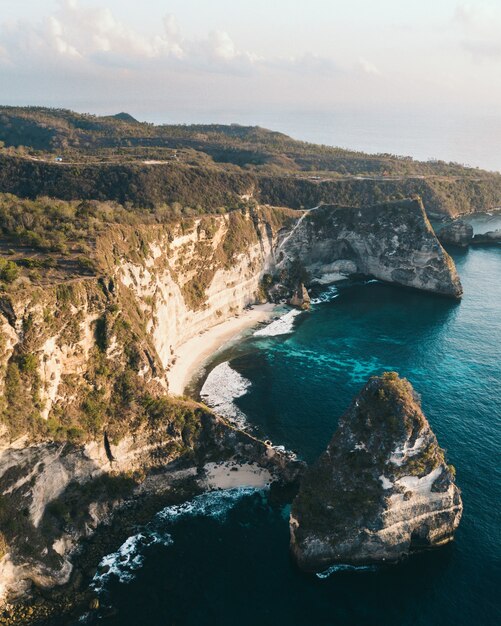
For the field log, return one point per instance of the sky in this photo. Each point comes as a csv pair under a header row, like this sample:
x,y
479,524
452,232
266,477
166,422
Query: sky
x,y
178,59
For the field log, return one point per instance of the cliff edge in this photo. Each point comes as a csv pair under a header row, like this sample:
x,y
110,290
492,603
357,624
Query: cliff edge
x,y
393,242
382,489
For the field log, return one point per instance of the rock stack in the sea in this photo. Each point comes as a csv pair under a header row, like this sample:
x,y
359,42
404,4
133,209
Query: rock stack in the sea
x,y
493,236
382,489
457,233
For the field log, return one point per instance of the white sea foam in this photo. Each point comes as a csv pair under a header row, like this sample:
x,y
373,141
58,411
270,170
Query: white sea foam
x,y
127,559
326,296
282,326
220,390
123,563
345,568
214,504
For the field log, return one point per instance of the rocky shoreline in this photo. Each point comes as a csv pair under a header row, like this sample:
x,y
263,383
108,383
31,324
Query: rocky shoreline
x,y
92,359
66,603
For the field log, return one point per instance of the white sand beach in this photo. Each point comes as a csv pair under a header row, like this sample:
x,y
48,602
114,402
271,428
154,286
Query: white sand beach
x,y
231,475
191,355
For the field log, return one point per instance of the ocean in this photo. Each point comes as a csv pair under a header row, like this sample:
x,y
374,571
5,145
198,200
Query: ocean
x,y
223,559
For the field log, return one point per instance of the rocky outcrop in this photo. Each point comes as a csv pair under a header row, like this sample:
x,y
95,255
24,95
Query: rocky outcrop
x,y
301,298
382,489
393,242
492,236
84,376
457,233
54,494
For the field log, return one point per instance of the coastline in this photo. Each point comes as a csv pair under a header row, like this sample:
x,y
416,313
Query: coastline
x,y
190,356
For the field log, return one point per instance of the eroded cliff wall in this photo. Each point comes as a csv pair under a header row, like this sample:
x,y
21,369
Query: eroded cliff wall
x,y
83,372
394,242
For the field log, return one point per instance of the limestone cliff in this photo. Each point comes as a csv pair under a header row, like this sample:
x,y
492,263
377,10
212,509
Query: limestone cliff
x,y
84,359
393,242
187,280
382,489
84,362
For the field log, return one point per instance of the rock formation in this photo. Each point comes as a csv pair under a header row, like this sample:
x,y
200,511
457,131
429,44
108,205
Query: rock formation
x,y
493,236
457,233
393,242
301,298
382,489
81,356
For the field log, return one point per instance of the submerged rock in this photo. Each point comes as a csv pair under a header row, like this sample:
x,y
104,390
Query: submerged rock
x,y
381,490
457,233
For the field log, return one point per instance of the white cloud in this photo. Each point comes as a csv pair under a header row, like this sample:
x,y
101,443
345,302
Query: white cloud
x,y
90,38
465,15
368,68
93,36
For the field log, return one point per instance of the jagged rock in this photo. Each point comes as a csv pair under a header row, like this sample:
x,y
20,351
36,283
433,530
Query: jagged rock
x,y
301,298
493,236
393,242
381,490
457,233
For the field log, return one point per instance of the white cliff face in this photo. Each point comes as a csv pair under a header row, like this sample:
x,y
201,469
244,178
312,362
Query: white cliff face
x,y
393,242
58,359
159,281
381,491
74,341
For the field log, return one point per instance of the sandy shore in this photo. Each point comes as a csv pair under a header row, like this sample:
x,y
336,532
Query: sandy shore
x,y
191,355
231,475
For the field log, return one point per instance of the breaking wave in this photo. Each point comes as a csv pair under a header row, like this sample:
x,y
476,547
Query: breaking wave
x,y
220,389
129,558
282,326
326,296
345,568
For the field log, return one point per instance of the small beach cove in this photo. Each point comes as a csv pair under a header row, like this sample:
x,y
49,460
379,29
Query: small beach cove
x,y
295,387
190,356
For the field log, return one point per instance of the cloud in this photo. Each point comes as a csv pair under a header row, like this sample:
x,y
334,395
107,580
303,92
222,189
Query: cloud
x,y
480,26
90,39
306,64
87,38
483,50
465,15
368,68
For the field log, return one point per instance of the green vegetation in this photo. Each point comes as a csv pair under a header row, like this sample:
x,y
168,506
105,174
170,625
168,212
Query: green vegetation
x,y
59,131
20,404
117,159
9,271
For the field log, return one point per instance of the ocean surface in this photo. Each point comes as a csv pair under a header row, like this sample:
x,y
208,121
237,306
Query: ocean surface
x,y
223,560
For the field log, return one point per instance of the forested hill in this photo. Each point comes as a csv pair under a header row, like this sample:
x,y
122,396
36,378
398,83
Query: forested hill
x,y
71,156
59,130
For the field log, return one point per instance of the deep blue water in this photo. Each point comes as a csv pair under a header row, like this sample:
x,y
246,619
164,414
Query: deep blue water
x,y
229,565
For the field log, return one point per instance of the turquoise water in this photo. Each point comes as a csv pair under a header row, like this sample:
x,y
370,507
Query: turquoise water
x,y
225,562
